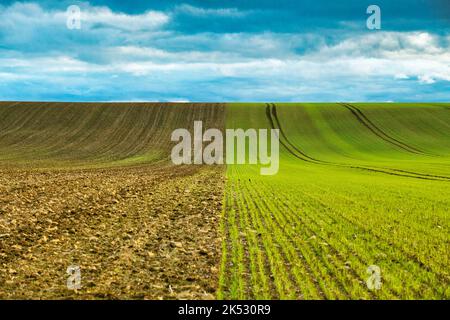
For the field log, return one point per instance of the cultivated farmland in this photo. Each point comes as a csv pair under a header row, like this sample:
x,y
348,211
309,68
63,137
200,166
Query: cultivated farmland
x,y
359,185
93,185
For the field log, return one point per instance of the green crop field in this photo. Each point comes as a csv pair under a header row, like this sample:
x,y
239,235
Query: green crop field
x,y
359,185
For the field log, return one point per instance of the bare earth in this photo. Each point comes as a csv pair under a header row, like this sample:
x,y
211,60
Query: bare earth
x,y
148,232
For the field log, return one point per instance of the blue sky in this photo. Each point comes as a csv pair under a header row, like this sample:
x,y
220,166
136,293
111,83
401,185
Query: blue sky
x,y
229,50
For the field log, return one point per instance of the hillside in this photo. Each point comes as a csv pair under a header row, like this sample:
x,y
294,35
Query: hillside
x,y
95,134
358,185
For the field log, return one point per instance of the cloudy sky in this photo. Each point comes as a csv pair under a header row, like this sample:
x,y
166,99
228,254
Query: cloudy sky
x,y
228,50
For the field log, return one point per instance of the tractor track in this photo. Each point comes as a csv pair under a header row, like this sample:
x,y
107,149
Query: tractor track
x,y
361,117
287,144
274,121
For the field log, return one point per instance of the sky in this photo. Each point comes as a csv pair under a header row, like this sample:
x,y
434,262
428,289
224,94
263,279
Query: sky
x,y
225,51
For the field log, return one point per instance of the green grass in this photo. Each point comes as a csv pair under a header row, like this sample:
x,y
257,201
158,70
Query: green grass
x,y
376,192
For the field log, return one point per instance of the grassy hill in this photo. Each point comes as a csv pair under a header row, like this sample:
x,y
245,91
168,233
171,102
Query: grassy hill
x,y
358,185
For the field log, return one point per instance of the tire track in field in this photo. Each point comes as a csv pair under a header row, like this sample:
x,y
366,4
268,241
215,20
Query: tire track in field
x,y
295,151
362,118
287,144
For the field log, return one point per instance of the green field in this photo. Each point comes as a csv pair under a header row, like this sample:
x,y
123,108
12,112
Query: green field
x,y
359,185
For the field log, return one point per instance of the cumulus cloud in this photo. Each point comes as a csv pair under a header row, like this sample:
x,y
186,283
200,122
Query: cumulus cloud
x,y
149,20
202,12
119,56
25,22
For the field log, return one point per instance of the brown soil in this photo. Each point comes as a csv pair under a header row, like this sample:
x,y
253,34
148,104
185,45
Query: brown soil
x,y
147,232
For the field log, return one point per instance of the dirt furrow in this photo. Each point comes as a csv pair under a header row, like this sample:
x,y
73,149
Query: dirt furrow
x,y
147,232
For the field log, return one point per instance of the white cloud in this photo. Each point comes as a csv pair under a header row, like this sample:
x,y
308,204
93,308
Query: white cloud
x,y
426,79
309,68
31,18
202,12
421,40
103,15
58,64
179,100
349,58
386,44
401,76
135,51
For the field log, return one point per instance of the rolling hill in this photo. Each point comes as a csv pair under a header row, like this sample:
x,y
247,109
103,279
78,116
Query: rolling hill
x,y
359,185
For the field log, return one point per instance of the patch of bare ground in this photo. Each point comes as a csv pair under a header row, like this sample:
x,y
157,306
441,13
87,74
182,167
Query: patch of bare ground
x,y
149,232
